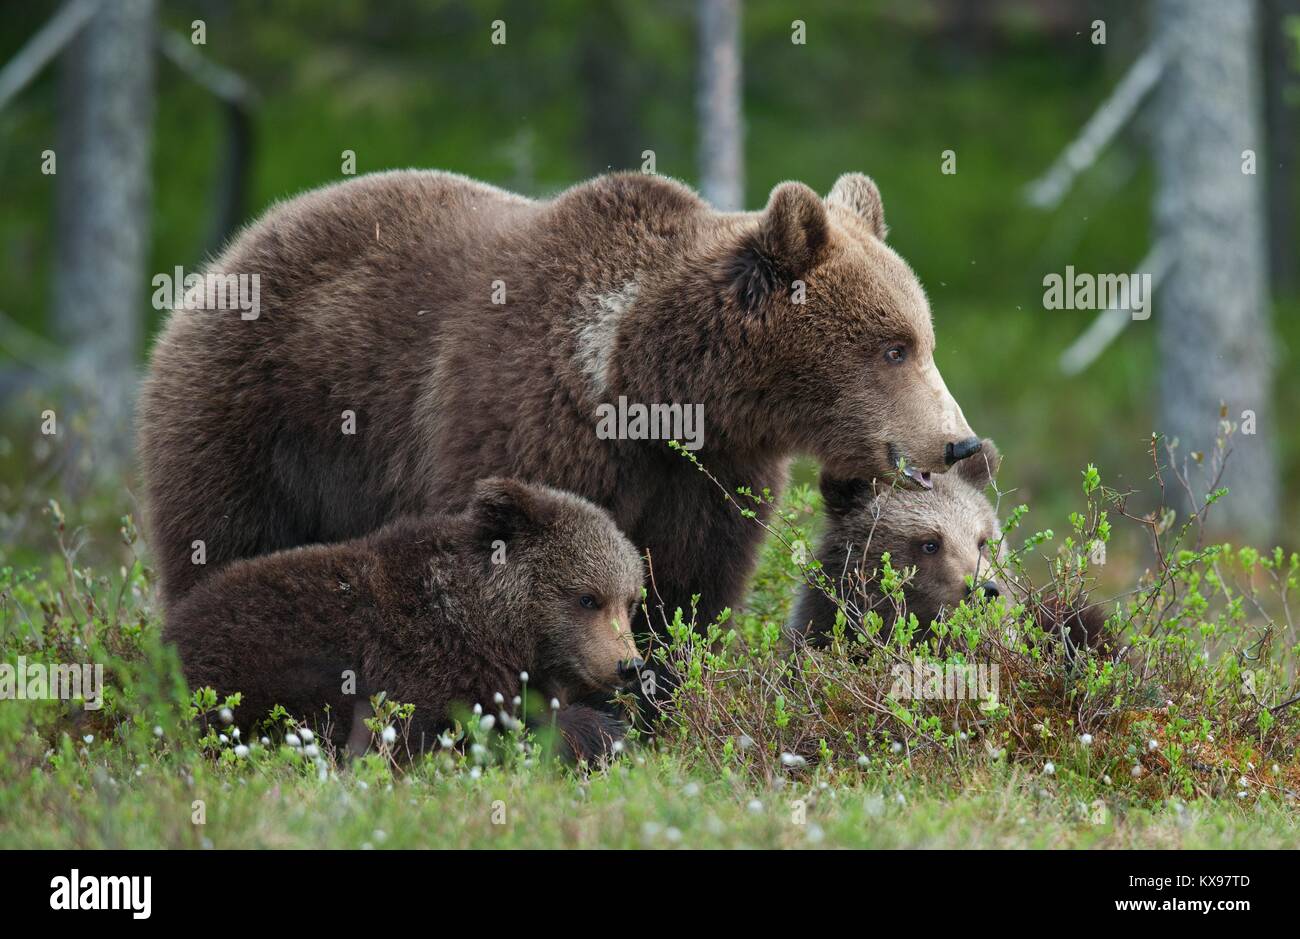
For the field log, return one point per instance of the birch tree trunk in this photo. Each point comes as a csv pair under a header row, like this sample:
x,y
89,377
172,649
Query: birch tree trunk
x,y
722,166
102,214
1215,339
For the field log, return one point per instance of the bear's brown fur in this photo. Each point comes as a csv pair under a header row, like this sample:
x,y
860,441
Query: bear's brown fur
x,y
433,611
862,523
377,298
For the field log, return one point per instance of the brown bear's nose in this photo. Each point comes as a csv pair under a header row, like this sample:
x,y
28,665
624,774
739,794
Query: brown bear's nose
x,y
962,449
989,588
630,668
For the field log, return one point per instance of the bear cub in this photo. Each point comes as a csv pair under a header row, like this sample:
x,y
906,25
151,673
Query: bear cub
x,y
437,612
943,532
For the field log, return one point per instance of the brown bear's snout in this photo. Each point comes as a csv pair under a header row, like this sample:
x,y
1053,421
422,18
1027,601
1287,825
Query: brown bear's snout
x,y
630,669
960,450
989,588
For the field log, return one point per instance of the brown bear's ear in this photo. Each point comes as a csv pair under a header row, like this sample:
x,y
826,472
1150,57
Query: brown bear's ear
x,y
982,468
841,497
859,195
790,237
502,508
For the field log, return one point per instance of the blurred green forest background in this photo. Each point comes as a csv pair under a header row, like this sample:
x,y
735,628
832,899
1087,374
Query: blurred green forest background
x,y
881,86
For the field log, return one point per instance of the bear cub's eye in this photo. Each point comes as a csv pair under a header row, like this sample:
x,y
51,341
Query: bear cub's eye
x,y
588,602
930,547
896,355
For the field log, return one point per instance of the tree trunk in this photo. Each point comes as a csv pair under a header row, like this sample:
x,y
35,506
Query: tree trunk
x,y
722,167
1213,313
102,214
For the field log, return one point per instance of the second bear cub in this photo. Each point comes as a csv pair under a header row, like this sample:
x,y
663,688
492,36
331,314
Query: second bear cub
x,y
436,612
944,533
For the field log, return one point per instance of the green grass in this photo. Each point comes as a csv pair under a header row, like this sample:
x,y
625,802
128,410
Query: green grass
x,y
767,749
647,801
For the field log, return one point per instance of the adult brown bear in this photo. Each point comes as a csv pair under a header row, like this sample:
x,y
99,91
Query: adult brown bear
x,y
417,331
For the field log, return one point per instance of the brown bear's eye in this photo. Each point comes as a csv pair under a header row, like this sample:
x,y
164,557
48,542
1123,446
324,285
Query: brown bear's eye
x,y
588,602
895,355
930,547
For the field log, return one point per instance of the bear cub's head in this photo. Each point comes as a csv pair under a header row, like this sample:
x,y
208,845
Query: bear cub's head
x,y
569,575
945,533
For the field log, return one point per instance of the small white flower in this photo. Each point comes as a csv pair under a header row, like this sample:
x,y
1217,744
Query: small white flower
x,y
488,722
307,735
1242,795
900,799
498,699
1276,769
266,741
1136,771
792,759
241,751
235,733
311,751
691,790
292,740
1153,746
673,834
1086,740
523,677
227,715
475,772
89,738
895,747
814,833
754,805
864,760
223,738
555,704
516,700
478,709
157,730
617,746
1105,780
390,734
1243,782
478,750
445,742
1049,769
744,741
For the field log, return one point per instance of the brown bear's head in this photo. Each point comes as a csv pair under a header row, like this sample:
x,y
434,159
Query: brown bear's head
x,y
944,533
570,577
802,331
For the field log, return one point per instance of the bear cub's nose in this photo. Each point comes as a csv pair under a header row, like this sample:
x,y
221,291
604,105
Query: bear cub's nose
x,y
630,668
962,449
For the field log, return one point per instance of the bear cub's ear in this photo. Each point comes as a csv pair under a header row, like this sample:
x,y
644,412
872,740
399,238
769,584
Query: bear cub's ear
x,y
504,508
842,497
858,194
982,468
788,242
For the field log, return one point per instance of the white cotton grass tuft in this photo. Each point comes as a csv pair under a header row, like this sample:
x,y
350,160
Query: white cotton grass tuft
x,y
389,734
307,735
1049,768
157,730
487,722
226,715
241,751
1085,739
498,699
555,704
523,677
293,740
1152,746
